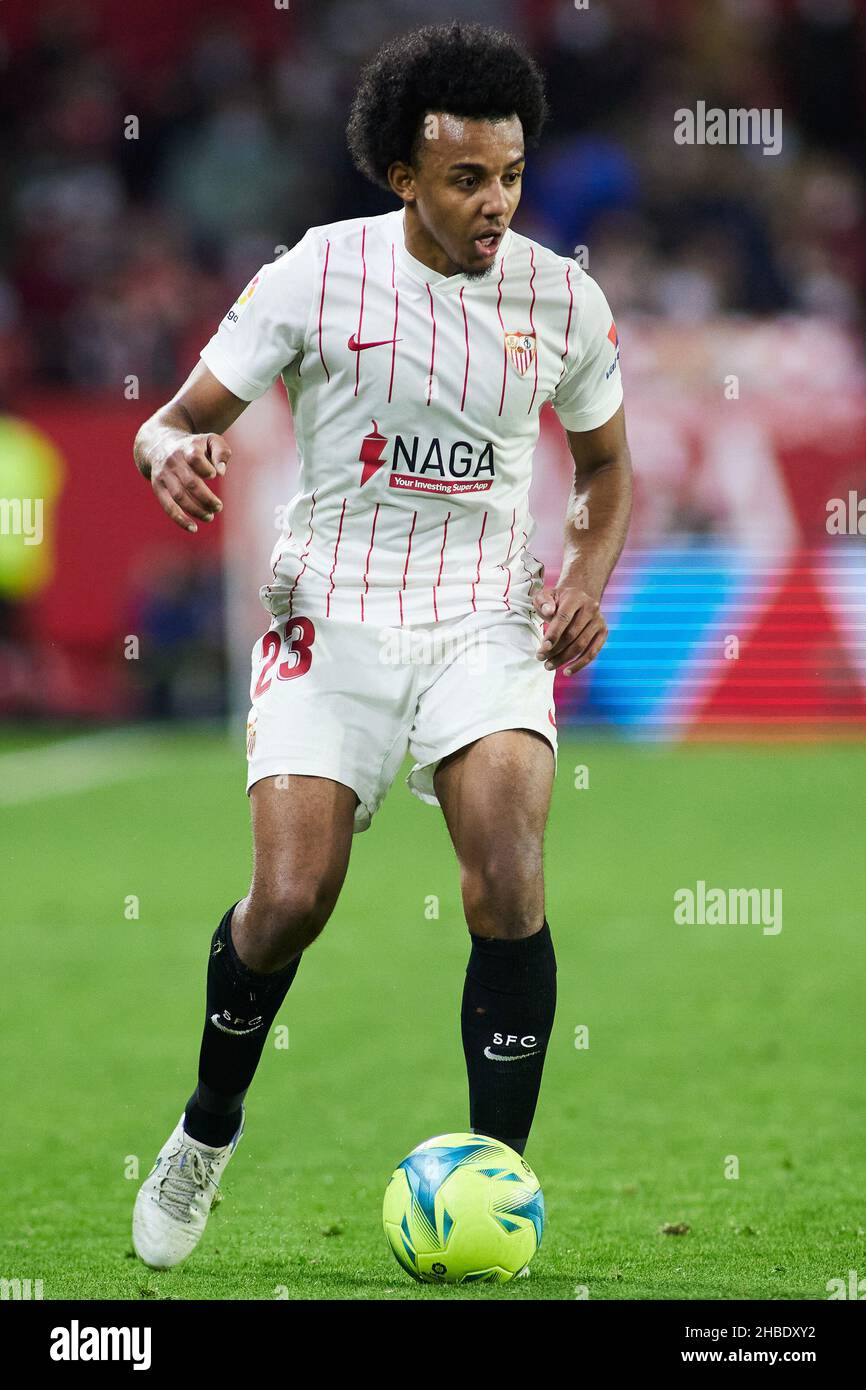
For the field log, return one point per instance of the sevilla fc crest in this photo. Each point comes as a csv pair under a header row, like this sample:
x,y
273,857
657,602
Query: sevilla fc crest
x,y
521,350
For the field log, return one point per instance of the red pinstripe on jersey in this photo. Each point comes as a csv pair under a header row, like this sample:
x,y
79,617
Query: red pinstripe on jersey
x,y
527,571
361,310
278,559
432,345
532,327
334,565
502,326
567,322
466,336
441,563
306,551
504,564
406,565
394,334
478,568
322,307
369,553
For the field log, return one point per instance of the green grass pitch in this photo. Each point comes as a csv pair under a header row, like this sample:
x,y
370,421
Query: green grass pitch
x,y
704,1041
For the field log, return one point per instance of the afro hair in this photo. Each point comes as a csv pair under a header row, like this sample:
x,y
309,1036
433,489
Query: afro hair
x,y
465,70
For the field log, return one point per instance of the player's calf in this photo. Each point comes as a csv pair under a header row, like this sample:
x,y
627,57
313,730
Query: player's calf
x,y
241,1007
509,1001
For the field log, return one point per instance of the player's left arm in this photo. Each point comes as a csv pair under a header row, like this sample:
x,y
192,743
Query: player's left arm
x,y
595,531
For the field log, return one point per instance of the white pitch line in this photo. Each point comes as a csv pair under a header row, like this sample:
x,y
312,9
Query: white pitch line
x,y
79,764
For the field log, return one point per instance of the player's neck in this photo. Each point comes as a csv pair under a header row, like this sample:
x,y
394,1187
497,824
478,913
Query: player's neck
x,y
420,244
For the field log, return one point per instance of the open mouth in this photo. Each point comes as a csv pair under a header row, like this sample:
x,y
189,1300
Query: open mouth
x,y
488,244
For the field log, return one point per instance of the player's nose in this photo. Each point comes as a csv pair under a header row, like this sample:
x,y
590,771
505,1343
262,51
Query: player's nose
x,y
495,202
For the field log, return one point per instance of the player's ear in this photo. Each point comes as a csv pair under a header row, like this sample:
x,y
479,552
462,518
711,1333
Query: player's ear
x,y
401,177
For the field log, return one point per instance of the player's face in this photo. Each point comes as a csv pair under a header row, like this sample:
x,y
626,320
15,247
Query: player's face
x,y
465,188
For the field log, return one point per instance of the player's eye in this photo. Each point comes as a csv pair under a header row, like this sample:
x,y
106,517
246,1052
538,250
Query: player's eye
x,y
468,181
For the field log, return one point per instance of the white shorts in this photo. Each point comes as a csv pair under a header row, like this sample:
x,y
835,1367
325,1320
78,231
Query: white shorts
x,y
346,700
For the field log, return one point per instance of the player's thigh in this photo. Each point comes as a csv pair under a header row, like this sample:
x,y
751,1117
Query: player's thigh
x,y
495,796
302,839
485,739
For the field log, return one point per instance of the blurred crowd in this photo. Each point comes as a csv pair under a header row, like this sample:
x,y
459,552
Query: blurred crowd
x,y
141,185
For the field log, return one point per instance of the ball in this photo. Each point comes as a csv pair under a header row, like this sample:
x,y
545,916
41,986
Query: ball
x,y
463,1209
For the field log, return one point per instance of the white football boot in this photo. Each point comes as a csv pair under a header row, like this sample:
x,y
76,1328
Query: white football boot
x,y
175,1199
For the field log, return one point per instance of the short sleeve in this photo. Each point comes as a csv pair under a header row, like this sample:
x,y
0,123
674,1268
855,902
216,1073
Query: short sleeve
x,y
590,392
264,330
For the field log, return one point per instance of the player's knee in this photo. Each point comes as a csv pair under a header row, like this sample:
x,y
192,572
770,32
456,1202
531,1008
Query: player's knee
x,y
503,890
288,918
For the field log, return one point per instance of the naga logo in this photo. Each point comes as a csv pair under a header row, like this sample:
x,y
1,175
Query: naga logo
x,y
429,466
371,453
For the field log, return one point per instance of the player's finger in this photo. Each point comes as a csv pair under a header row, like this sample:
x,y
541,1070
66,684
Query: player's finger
x,y
567,617
556,625
589,654
218,452
544,602
191,504
195,457
184,499
576,645
199,490
578,626
171,508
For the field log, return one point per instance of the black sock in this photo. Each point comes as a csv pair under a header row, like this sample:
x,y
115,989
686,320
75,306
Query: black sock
x,y
509,1000
241,1006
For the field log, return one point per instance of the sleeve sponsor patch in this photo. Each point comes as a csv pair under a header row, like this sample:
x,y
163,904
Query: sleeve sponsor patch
x,y
233,316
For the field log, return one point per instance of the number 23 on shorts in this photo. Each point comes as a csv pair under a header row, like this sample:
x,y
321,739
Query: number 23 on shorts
x,y
299,639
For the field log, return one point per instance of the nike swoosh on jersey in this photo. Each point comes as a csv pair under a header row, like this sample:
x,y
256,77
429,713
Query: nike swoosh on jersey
x,y
499,1057
355,346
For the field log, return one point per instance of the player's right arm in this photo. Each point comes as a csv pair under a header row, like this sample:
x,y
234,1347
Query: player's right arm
x,y
182,446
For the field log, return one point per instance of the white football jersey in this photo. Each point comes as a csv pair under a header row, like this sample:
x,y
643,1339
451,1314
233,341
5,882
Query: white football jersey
x,y
416,400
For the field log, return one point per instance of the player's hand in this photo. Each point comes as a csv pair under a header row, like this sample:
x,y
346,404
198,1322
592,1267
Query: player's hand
x,y
178,476
576,630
